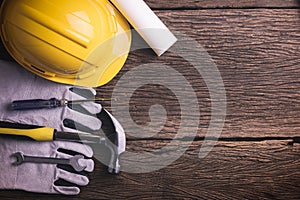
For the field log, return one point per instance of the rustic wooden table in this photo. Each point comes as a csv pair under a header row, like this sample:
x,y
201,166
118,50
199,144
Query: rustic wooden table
x,y
256,47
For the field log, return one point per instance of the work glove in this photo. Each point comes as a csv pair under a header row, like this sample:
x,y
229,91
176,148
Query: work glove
x,y
40,177
17,83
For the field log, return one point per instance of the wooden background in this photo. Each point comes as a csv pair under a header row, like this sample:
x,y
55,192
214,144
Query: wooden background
x,y
256,47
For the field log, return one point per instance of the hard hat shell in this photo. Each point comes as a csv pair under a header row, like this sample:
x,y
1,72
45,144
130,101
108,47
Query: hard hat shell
x,y
81,42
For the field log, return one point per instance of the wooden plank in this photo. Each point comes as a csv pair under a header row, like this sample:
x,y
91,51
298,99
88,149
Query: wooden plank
x,y
233,170
197,4
258,57
257,53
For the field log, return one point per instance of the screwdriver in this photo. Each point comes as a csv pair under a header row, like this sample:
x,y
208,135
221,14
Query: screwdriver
x,y
50,134
44,103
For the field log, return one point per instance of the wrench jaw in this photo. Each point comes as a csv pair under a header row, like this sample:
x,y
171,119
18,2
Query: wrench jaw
x,y
19,156
74,162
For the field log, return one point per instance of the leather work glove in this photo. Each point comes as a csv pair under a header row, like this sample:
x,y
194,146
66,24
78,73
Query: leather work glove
x,y
17,83
41,177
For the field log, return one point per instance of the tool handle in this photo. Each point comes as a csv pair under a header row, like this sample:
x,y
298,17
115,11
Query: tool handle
x,y
49,134
78,137
35,104
38,134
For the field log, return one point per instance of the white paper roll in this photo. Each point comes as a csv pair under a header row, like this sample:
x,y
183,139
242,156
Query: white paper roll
x,y
147,24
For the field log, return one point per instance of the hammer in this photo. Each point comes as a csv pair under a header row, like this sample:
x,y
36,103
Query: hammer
x,y
116,137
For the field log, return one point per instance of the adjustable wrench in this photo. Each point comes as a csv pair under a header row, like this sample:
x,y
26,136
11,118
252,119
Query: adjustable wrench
x,y
73,161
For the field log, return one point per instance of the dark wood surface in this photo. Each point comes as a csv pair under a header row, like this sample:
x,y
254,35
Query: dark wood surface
x,y
256,47
196,4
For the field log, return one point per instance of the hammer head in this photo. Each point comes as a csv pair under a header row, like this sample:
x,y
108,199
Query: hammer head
x,y
117,139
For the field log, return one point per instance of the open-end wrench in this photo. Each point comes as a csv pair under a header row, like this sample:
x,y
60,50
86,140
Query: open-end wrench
x,y
73,161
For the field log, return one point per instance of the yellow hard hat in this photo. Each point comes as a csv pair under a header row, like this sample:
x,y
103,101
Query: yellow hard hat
x,y
80,42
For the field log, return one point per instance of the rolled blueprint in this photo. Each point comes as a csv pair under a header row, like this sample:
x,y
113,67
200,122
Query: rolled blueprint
x,y
147,24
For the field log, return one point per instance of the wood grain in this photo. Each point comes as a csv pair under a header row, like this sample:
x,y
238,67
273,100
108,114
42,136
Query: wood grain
x,y
197,4
233,170
257,156
257,55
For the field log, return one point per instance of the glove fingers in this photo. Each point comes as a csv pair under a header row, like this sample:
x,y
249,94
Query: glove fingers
x,y
76,147
72,178
90,106
66,190
91,122
84,92
89,163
